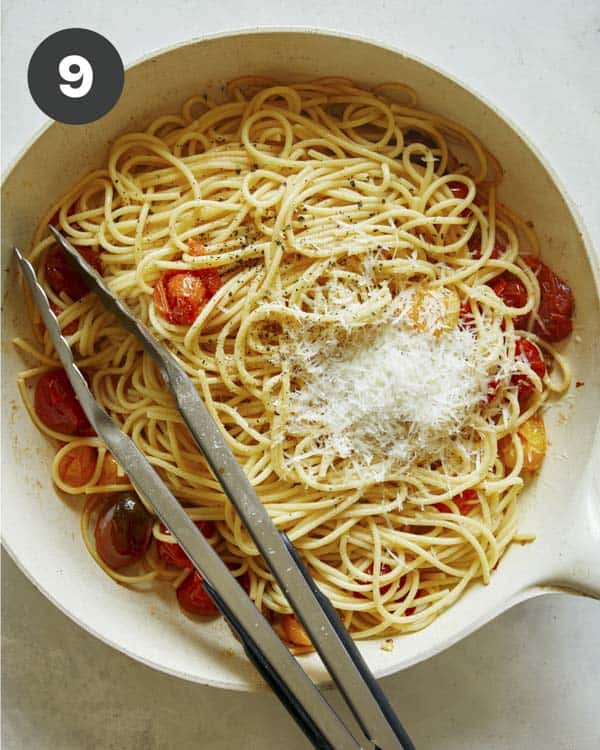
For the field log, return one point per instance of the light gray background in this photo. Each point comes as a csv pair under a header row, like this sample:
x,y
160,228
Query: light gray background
x,y
528,680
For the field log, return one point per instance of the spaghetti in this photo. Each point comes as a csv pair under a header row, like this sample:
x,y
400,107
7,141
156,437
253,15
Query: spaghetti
x,y
366,322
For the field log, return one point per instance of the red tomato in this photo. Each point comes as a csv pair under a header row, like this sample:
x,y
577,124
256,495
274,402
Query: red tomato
x,y
57,406
77,467
475,246
294,632
384,569
512,292
62,277
465,316
172,553
192,596
180,295
555,312
492,390
528,350
458,189
465,501
123,532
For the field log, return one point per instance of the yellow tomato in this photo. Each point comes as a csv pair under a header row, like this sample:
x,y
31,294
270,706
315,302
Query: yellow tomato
x,y
532,435
435,310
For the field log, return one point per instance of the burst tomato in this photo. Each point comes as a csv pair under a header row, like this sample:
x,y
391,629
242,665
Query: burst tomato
x,y
512,292
294,632
172,553
475,246
465,502
555,312
62,277
77,467
180,295
193,598
123,532
57,406
529,351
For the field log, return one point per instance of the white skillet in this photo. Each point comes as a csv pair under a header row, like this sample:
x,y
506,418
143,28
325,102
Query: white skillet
x,y
562,506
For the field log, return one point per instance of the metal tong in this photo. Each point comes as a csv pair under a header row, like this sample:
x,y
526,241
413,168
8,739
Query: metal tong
x,y
263,647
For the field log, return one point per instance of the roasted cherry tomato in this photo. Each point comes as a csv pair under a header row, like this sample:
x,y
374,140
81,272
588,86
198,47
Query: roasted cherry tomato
x,y
384,569
465,502
180,295
57,406
294,632
123,531
512,292
109,474
192,596
172,553
62,277
458,189
475,246
528,350
532,435
554,319
77,467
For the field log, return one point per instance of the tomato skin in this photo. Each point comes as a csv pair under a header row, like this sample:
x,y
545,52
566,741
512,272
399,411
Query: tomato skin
x,y
528,350
459,190
62,277
123,532
475,246
180,295
172,554
294,631
384,569
555,312
512,292
77,467
56,404
193,598
465,502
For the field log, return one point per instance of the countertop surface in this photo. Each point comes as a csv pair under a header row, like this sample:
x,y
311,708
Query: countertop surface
x,y
528,679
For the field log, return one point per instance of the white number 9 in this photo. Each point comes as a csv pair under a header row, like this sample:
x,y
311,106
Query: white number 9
x,y
82,73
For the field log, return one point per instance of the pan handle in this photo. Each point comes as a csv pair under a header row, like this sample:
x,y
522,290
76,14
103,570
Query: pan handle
x,y
580,543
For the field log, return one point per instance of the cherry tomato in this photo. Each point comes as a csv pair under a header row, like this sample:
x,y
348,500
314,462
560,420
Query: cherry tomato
x,y
172,553
62,277
294,632
528,350
512,292
465,502
460,190
555,312
492,390
180,295
384,569
475,246
109,474
465,316
77,467
123,532
532,435
57,406
193,598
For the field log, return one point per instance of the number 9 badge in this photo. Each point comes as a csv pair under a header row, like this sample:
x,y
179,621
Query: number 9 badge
x,y
75,76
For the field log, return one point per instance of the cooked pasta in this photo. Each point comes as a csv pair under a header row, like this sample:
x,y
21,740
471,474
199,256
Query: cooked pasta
x,y
362,316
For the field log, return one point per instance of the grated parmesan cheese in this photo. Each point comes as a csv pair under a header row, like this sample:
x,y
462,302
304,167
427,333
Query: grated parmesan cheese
x,y
393,395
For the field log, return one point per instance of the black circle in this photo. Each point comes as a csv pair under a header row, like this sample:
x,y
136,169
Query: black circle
x,y
44,79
